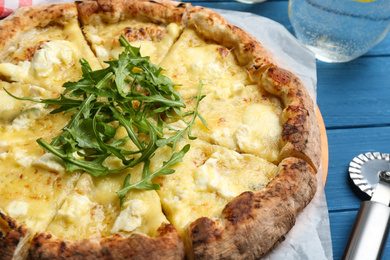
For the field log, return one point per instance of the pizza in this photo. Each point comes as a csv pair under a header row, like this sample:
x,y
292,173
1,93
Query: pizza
x,y
138,129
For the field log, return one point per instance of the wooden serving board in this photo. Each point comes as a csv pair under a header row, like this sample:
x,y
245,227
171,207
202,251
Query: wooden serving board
x,y
324,146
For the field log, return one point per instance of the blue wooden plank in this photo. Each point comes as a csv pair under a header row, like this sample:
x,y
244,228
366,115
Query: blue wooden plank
x,y
354,93
341,225
344,145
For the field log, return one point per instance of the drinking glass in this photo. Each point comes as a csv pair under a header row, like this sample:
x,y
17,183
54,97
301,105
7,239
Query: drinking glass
x,y
339,30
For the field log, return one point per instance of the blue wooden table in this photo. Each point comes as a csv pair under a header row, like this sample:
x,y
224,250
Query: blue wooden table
x,y
354,99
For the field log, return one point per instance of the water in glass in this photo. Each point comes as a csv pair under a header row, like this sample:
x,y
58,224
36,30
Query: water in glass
x,y
339,30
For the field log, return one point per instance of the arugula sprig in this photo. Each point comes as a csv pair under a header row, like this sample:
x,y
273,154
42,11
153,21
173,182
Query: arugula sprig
x,y
131,92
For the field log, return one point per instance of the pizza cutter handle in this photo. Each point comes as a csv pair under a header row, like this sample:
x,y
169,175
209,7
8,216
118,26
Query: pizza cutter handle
x,y
369,233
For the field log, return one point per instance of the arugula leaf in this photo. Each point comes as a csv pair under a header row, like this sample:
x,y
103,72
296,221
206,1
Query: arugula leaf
x,y
147,176
130,93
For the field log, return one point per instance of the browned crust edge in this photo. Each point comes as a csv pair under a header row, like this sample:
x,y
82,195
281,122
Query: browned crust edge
x,y
301,135
256,222
249,52
113,11
25,18
166,245
10,235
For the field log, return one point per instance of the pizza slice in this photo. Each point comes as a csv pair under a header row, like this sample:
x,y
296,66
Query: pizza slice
x,y
208,178
33,184
152,25
223,202
42,46
91,220
251,105
194,58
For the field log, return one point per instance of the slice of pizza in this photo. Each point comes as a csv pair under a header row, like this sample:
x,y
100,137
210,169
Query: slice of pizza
x,y
217,198
209,177
152,25
194,58
251,105
91,220
300,133
42,46
33,184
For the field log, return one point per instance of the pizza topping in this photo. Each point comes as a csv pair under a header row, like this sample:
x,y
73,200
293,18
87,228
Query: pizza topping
x,y
242,137
16,72
51,53
75,207
49,162
130,217
100,104
26,117
17,209
209,177
233,91
4,147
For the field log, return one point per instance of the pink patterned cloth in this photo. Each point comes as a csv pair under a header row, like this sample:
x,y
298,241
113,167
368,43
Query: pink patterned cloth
x,y
8,6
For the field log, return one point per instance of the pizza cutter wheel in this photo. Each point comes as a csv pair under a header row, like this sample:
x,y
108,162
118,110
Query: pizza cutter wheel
x,y
370,172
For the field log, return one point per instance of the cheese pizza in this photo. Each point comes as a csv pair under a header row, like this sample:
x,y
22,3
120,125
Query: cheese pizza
x,y
138,129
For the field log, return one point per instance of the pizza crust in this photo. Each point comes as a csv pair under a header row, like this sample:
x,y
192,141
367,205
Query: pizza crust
x,y
301,134
113,11
166,245
10,236
248,51
256,222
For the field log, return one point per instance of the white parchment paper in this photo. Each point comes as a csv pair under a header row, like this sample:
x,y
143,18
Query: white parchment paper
x,y
310,237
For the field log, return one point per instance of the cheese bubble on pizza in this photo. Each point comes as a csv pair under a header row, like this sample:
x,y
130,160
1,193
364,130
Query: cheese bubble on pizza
x,y
139,129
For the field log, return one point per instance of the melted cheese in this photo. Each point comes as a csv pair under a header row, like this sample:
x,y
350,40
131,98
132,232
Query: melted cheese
x,y
130,217
30,195
48,57
192,59
17,209
207,179
154,46
75,208
240,122
31,190
27,117
93,210
239,116
49,162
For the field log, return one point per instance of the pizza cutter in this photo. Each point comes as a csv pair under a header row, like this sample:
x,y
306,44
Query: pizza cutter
x,y
370,172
